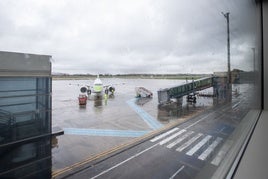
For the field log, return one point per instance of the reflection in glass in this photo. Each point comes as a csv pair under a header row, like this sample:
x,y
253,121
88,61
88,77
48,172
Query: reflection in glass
x,y
25,127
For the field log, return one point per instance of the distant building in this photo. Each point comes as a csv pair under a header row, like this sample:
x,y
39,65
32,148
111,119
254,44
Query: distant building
x,y
25,115
238,76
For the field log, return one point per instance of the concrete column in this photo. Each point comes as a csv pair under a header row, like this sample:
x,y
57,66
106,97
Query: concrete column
x,y
265,54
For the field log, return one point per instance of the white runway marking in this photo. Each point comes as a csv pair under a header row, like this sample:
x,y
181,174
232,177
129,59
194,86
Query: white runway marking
x,y
163,135
217,160
189,142
172,137
199,145
176,173
121,163
180,139
208,151
235,105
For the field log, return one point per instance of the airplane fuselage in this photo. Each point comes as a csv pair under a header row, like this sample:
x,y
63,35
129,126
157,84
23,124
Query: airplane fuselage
x,y
97,89
97,85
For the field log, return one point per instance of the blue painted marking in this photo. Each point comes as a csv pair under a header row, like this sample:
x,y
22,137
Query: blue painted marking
x,y
151,121
104,132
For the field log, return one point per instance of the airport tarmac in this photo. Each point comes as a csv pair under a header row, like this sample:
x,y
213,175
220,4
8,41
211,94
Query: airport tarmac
x,y
104,125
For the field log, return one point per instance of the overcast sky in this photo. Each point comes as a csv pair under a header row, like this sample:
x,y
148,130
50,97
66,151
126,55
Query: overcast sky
x,y
130,36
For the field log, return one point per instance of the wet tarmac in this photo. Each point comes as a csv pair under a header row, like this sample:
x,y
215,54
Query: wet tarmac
x,y
192,149
105,124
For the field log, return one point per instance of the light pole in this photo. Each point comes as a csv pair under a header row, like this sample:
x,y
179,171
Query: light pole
x,y
229,78
253,50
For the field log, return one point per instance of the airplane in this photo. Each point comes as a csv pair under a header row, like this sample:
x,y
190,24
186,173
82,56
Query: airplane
x,y
98,88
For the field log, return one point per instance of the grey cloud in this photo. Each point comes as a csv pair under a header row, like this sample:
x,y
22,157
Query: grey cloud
x,y
148,36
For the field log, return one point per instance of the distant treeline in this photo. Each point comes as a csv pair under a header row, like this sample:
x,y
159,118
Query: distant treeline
x,y
146,76
163,76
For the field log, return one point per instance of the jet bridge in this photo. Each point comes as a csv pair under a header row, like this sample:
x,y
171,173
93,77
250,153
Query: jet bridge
x,y
164,95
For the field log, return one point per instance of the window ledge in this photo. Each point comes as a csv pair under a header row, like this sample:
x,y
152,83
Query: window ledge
x,y
255,159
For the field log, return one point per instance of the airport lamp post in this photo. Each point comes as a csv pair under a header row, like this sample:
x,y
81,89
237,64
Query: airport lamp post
x,y
229,78
253,50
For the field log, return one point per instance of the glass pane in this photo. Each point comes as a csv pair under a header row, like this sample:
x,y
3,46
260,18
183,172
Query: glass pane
x,y
179,51
25,118
179,82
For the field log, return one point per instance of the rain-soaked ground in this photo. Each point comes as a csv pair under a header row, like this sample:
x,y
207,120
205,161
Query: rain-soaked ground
x,y
105,124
